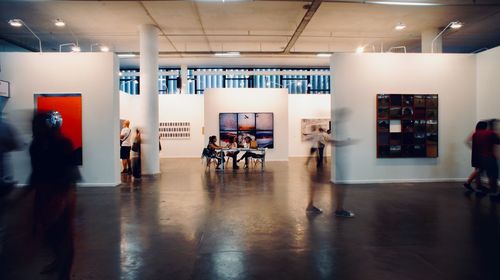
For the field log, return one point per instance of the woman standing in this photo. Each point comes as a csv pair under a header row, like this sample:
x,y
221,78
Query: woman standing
x,y
136,155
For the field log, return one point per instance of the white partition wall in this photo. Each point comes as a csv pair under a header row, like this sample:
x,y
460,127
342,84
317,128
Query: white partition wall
x,y
488,84
95,77
250,100
358,78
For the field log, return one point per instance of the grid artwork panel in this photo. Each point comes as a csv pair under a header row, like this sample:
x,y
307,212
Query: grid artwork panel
x,y
175,130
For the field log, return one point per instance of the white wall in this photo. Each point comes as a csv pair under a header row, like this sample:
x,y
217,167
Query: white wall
x,y
229,100
95,76
305,106
488,84
357,79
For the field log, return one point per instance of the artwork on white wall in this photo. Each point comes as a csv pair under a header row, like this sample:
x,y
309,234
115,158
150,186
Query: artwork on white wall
x,y
307,126
257,126
175,130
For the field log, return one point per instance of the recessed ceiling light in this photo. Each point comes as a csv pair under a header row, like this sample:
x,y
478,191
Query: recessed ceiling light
x,y
360,49
126,55
104,49
228,54
400,26
76,49
456,25
59,23
324,55
16,22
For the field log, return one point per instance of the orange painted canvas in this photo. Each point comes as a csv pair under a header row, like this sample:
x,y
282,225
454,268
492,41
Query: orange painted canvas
x,y
70,108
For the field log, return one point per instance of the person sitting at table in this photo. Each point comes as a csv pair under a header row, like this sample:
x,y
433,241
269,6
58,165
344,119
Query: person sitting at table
x,y
211,149
233,145
247,144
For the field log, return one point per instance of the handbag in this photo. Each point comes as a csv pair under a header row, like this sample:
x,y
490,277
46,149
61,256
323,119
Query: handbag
x,y
135,147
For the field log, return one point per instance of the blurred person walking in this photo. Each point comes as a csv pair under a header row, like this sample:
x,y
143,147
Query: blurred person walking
x,y
136,155
8,142
475,160
53,178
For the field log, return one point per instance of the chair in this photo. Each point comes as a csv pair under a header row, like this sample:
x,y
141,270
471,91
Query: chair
x,y
261,158
209,158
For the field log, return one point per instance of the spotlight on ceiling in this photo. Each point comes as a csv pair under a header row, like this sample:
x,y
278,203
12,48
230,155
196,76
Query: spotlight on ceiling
x,y
16,22
403,3
104,49
228,54
59,23
400,26
456,24
360,49
324,55
76,49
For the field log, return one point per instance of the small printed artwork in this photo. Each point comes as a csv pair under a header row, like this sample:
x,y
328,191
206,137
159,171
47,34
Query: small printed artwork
x,y
67,109
175,130
307,126
225,137
264,121
246,121
4,89
265,139
228,121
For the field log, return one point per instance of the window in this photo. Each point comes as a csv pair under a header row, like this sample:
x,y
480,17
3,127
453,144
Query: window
x,y
129,84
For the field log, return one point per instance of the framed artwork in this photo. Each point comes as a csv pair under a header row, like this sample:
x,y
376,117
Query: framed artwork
x,y
4,89
174,130
69,107
407,125
307,126
257,126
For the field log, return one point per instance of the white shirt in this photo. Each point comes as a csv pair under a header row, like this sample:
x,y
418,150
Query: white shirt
x,y
126,135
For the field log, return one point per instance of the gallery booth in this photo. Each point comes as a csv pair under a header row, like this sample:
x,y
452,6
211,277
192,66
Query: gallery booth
x,y
464,85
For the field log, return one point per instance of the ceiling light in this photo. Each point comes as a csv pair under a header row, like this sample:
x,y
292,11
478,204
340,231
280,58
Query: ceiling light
x,y
59,23
324,55
299,83
228,54
456,24
360,49
104,49
16,22
402,3
400,26
76,49
126,55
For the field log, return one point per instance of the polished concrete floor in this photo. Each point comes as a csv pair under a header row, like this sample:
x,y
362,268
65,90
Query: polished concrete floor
x,y
194,224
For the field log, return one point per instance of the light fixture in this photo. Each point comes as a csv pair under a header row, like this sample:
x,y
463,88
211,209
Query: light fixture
x,y
299,83
228,54
126,55
403,3
456,24
59,23
360,49
16,22
76,48
19,22
400,26
324,55
453,25
104,48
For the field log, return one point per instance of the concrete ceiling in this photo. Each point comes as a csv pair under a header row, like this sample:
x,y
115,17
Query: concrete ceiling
x,y
257,27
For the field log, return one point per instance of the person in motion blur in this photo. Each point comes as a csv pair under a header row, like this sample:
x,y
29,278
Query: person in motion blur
x,y
53,178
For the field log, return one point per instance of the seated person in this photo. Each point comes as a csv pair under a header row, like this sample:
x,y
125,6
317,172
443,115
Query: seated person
x,y
233,145
211,149
248,144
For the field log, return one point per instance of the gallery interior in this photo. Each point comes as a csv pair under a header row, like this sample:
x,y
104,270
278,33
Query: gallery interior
x,y
398,87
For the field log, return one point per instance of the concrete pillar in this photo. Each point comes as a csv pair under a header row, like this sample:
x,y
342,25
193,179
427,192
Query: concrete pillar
x,y
184,78
427,37
148,104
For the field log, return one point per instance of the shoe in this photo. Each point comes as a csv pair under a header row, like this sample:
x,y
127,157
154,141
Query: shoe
x,y
125,171
468,186
246,166
236,167
218,167
344,214
314,210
